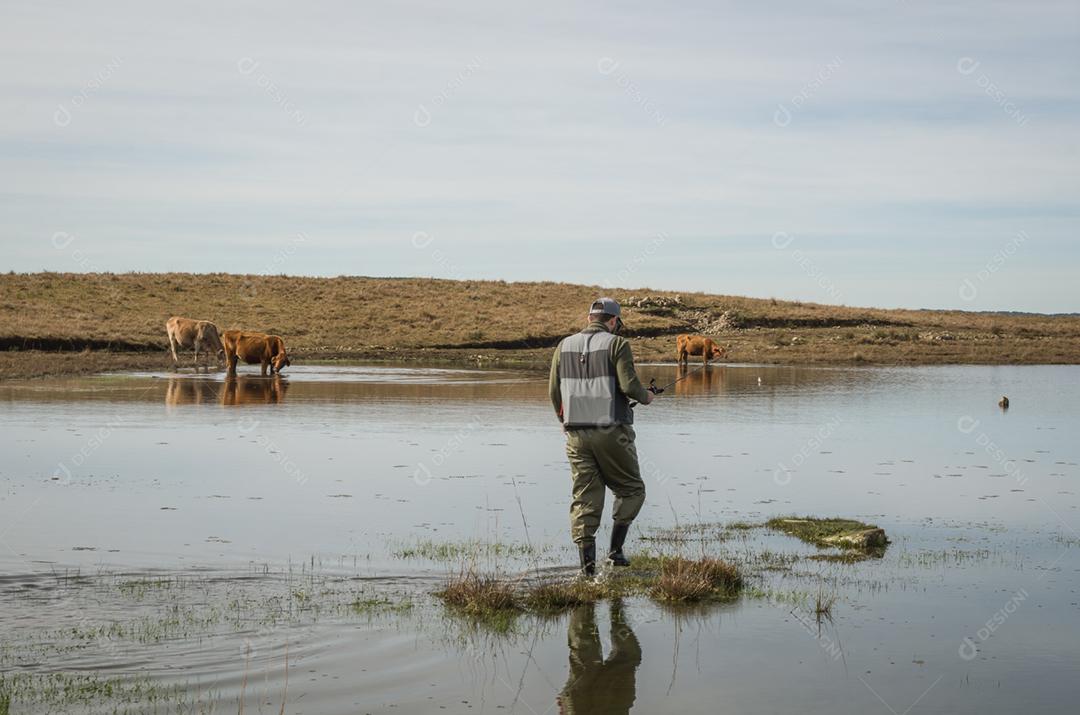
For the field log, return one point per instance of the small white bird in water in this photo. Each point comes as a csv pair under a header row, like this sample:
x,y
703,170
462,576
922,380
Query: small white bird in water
x,y
759,380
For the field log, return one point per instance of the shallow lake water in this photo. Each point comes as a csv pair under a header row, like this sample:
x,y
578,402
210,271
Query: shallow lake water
x,y
191,542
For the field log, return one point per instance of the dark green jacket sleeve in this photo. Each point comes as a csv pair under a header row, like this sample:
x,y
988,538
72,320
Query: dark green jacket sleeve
x,y
624,369
554,389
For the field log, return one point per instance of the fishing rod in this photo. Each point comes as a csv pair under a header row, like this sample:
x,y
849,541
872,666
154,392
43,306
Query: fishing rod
x,y
658,390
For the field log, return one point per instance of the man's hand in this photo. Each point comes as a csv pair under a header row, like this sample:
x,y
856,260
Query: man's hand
x,y
649,397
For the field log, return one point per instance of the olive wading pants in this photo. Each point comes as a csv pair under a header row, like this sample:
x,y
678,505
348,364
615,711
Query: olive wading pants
x,y
602,457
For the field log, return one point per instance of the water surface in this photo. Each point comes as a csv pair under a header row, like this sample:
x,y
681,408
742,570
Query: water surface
x,y
244,491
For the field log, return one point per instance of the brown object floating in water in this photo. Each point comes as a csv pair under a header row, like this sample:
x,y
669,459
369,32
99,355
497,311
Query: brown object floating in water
x,y
842,533
865,539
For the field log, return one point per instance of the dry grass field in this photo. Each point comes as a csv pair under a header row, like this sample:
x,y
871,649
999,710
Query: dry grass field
x,y
63,323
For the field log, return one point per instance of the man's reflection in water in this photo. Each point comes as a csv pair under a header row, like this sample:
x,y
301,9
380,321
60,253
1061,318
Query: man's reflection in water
x,y
596,685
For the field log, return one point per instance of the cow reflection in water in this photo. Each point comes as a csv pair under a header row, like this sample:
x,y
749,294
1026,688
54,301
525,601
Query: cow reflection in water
x,y
251,390
703,382
187,391
596,685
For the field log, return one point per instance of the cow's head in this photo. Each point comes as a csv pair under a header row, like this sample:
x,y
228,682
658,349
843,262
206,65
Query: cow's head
x,y
281,360
717,351
211,339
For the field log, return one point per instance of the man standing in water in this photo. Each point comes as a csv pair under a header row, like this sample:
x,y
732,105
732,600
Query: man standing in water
x,y
592,382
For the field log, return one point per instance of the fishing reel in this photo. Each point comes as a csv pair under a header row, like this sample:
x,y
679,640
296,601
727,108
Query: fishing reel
x,y
651,388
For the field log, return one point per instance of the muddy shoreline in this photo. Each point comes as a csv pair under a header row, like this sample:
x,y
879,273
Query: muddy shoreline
x,y
91,358
82,323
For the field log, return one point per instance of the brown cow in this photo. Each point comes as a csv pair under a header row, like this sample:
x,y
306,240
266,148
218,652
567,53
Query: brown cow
x,y
187,333
688,345
252,348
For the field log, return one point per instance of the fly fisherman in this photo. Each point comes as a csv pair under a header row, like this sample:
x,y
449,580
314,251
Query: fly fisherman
x,y
591,385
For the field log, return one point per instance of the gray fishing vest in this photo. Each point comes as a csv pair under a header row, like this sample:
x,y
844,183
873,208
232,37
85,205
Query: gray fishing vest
x,y
588,383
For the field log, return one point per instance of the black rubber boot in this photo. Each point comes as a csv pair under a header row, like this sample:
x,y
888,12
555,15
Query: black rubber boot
x,y
618,536
588,559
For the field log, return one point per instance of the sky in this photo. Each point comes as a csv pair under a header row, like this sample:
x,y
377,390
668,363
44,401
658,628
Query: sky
x,y
893,154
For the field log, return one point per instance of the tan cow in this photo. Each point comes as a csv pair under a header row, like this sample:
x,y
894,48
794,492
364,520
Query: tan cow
x,y
199,334
688,345
265,350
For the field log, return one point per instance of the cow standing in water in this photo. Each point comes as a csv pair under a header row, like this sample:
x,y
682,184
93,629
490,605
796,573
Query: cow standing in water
x,y
687,345
199,334
268,351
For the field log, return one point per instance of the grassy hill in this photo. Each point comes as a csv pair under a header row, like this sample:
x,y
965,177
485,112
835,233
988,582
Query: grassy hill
x,y
49,320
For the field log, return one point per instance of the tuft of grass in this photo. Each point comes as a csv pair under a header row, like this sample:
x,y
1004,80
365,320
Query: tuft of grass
x,y
842,533
479,594
557,596
491,599
823,604
683,580
495,602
